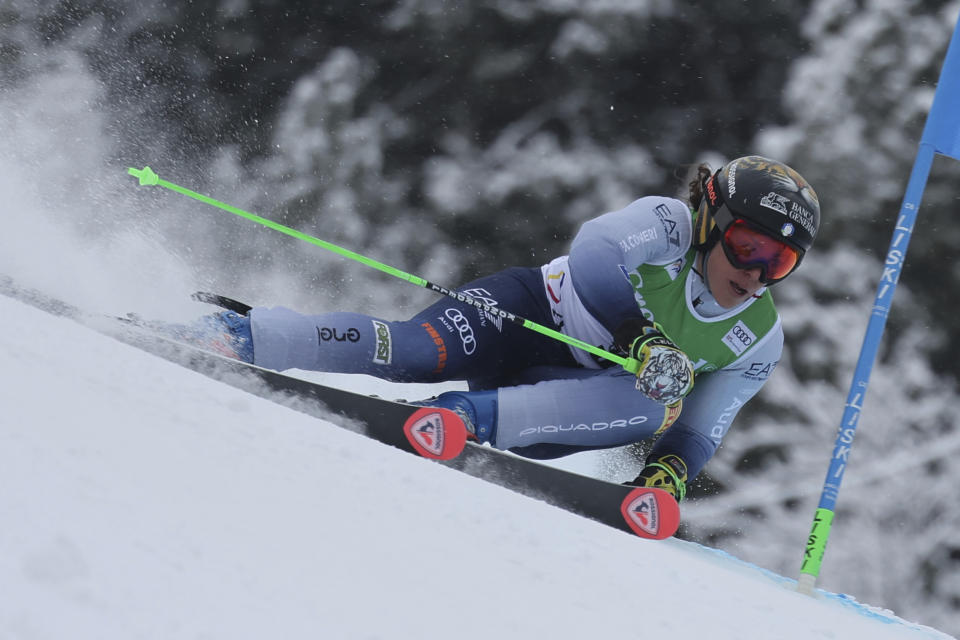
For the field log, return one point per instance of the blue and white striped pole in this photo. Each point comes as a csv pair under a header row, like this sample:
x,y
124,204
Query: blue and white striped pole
x,y
941,134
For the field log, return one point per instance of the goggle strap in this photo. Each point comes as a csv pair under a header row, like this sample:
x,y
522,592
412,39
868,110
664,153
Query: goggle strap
x,y
724,217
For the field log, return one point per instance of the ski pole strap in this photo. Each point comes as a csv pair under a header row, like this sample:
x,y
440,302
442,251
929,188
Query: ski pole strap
x,y
148,177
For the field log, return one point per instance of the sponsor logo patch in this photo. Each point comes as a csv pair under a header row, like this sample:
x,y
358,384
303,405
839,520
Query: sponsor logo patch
x,y
328,334
441,346
463,328
669,224
712,196
739,338
428,432
732,180
759,370
384,352
803,216
775,201
616,423
644,512
674,268
634,240
482,295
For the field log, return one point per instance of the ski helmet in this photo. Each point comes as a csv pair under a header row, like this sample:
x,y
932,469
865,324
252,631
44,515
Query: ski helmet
x,y
764,193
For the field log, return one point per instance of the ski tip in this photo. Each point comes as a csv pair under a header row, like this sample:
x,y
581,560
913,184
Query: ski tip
x,y
651,513
436,433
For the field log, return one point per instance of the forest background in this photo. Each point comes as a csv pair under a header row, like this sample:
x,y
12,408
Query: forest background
x,y
455,138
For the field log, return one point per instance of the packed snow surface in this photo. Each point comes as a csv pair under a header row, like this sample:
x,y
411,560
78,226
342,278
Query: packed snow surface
x,y
142,500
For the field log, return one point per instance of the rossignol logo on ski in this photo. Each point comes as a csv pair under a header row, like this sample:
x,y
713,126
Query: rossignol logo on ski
x,y
645,513
651,513
428,432
436,433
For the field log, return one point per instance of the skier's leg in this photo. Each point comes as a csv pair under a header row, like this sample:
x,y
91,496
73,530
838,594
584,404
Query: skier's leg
x,y
450,340
594,410
343,342
486,349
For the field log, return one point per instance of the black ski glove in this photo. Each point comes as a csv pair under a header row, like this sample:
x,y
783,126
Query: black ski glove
x,y
667,472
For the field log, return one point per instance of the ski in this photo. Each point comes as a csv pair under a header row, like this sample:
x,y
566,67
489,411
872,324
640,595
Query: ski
x,y
430,432
222,301
644,511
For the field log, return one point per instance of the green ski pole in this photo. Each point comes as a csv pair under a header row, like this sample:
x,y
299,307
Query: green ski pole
x,y
148,177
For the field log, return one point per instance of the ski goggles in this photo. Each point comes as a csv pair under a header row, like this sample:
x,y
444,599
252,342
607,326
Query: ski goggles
x,y
748,247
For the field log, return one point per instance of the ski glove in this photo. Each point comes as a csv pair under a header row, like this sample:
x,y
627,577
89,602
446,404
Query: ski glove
x,y
667,472
664,372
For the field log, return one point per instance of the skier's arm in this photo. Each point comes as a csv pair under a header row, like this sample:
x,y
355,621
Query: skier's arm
x,y
651,230
710,408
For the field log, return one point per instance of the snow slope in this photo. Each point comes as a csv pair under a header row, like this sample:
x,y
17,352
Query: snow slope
x,y
141,500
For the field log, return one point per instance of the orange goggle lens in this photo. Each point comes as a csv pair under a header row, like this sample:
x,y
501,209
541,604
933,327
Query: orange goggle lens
x,y
748,248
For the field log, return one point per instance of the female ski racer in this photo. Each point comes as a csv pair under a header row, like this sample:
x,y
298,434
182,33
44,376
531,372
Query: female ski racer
x,y
682,287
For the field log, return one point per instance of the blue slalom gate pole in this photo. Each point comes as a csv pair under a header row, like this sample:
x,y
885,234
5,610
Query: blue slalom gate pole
x,y
941,134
